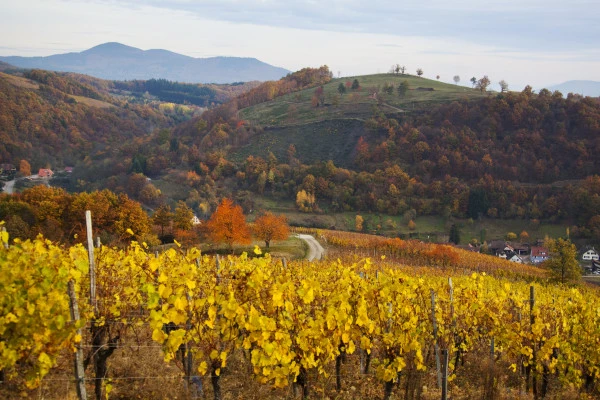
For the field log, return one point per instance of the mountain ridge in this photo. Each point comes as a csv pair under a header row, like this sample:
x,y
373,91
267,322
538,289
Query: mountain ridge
x,y
116,61
582,87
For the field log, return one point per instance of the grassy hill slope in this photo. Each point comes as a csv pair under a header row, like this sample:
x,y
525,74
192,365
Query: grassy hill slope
x,y
296,108
332,130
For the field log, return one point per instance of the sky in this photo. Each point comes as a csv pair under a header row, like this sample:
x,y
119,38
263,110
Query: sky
x,y
524,42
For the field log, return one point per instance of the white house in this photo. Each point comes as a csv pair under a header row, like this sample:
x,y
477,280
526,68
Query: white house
x,y
516,259
590,255
196,221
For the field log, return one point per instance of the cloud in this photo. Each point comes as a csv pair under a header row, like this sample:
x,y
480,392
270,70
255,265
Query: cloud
x,y
525,24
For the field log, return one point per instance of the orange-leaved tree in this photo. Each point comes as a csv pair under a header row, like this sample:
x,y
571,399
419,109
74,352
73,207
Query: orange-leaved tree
x,y
228,225
270,227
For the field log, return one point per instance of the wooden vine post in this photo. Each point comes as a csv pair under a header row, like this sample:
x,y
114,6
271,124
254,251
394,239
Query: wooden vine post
x,y
78,364
103,344
90,243
445,374
435,341
532,365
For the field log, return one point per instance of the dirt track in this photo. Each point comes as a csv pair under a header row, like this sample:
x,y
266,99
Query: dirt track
x,y
315,250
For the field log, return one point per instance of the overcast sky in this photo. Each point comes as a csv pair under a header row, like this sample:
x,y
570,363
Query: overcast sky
x,y
536,42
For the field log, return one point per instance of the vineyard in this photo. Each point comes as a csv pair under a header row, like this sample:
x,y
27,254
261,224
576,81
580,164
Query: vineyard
x,y
258,327
349,245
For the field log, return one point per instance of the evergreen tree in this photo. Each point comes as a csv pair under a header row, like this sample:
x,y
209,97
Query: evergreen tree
x,y
402,88
478,203
454,234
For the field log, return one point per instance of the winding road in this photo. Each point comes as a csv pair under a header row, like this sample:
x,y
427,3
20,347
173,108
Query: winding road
x,y
315,250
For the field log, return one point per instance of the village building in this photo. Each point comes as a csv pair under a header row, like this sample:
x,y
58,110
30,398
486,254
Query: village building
x,y
539,254
590,255
45,173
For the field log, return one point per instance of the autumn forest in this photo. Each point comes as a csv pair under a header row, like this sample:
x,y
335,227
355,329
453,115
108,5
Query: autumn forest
x,y
510,155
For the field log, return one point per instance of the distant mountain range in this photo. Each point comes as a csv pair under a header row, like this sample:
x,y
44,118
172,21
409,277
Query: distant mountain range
x,y
585,88
115,61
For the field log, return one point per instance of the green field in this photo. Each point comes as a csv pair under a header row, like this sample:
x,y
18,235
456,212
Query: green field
x,y
428,228
296,108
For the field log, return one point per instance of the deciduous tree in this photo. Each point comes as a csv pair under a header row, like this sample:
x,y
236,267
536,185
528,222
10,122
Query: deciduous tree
x,y
503,86
358,223
270,227
24,168
456,79
483,83
563,260
228,225
162,217
183,216
305,201
412,225
510,236
419,71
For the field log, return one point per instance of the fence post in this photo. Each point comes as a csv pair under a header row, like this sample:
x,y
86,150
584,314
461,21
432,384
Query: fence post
x,y
435,343
79,370
4,230
451,300
90,242
445,374
533,344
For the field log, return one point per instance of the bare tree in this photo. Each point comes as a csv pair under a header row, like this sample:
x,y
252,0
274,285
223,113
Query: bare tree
x,y
419,71
402,69
503,86
456,79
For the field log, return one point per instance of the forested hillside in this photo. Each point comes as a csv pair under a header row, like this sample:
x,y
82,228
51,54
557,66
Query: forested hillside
x,y
60,119
52,120
393,144
468,154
